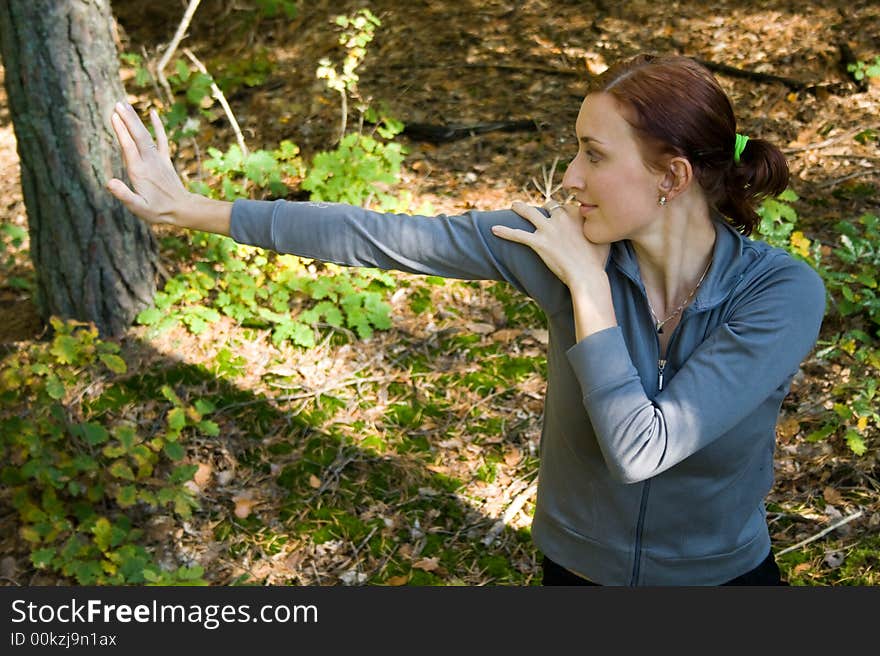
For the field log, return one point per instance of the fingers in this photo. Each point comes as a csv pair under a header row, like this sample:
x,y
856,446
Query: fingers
x,y
161,137
134,203
512,234
532,214
129,148
136,128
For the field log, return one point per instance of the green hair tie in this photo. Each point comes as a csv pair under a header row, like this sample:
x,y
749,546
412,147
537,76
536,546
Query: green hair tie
x,y
741,141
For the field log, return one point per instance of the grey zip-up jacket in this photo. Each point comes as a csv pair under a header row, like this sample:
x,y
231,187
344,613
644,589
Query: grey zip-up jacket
x,y
651,472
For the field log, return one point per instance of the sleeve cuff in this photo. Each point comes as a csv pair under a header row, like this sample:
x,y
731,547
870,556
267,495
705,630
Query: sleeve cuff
x,y
251,222
601,359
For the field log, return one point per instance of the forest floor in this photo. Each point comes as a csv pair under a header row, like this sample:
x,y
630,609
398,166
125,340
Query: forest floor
x,y
376,493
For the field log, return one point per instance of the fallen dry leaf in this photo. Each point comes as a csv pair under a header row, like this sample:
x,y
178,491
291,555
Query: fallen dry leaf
x,y
427,564
481,328
314,481
832,496
243,505
506,335
512,457
788,428
398,580
203,474
540,335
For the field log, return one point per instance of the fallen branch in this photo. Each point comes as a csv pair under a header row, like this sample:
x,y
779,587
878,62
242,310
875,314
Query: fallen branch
x,y
446,133
172,47
218,95
826,531
796,85
857,174
829,142
531,68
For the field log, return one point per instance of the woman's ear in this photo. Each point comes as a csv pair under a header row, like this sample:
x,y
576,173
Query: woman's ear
x,y
678,176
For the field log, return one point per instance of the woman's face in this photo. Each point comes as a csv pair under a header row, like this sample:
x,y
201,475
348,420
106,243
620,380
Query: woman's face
x,y
617,193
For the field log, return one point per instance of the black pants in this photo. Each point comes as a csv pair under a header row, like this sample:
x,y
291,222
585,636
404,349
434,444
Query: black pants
x,y
767,573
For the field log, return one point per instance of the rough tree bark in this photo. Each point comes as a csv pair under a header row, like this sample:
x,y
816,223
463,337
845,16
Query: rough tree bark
x,y
94,261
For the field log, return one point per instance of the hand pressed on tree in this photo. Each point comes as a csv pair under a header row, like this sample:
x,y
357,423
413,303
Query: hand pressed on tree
x,y
158,190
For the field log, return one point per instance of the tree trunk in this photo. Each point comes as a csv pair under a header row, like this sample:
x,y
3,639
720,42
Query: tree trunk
x,y
94,261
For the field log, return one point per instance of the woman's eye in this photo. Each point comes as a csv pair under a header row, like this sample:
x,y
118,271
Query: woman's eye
x,y
592,156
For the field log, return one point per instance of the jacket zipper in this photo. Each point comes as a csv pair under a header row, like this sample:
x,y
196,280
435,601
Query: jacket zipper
x,y
661,365
638,547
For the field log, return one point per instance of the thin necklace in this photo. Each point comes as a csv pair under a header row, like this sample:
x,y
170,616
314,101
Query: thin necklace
x,y
659,324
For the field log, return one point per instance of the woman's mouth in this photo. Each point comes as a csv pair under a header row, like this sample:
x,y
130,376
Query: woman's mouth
x,y
585,209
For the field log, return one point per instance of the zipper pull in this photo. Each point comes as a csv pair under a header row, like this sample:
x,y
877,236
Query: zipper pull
x,y
661,365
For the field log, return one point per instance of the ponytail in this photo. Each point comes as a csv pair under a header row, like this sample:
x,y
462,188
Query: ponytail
x,y
762,173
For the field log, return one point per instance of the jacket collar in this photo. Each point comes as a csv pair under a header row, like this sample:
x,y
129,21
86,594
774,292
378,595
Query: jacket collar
x,y
727,269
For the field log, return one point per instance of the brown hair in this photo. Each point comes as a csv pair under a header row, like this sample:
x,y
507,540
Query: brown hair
x,y
678,108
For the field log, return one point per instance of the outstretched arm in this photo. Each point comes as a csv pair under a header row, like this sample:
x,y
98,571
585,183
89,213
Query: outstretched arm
x,y
463,246
159,195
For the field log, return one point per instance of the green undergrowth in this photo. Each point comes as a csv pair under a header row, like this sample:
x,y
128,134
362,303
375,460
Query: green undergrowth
x,y
102,449
852,321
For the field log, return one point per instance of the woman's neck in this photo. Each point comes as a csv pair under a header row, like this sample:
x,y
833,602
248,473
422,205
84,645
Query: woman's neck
x,y
673,253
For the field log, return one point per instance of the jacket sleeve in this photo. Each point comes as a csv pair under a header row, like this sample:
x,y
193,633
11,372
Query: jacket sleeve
x,y
761,345
460,246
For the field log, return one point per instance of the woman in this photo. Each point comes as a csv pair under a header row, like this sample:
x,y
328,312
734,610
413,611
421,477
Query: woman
x,y
673,336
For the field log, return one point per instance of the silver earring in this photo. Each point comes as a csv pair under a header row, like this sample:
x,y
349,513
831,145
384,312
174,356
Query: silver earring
x,y
662,201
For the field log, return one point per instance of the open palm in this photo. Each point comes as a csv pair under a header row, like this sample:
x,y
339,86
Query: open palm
x,y
158,189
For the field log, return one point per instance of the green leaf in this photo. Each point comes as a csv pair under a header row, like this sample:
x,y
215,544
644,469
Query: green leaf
x,y
103,533
179,475
259,166
114,363
54,387
95,433
174,450
65,349
87,572
208,427
182,70
169,394
126,436
113,451
855,442
149,316
151,576
821,434
199,88
204,406
42,557
120,469
126,496
177,419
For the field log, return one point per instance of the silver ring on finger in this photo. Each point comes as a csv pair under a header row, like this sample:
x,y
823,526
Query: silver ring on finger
x,y
551,206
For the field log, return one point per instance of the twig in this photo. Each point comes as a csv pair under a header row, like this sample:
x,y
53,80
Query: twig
x,y
328,388
829,142
857,174
221,99
548,188
837,524
172,47
344,95
752,75
514,507
505,67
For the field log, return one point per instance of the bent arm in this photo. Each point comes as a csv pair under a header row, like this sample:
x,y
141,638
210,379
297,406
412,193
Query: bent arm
x,y
742,362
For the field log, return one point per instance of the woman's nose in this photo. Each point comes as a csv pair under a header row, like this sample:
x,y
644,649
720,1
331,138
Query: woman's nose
x,y
573,178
